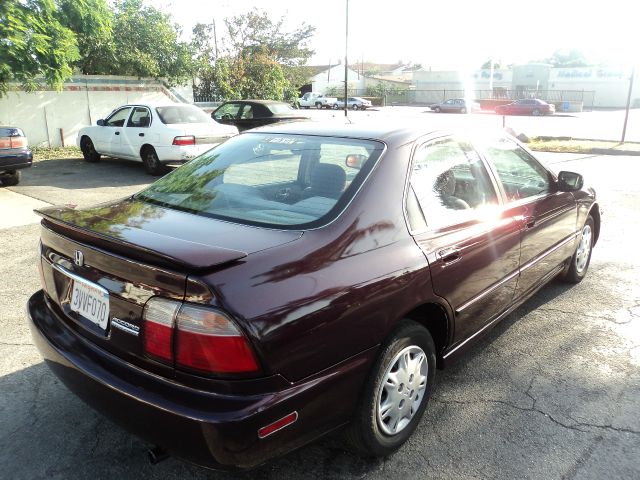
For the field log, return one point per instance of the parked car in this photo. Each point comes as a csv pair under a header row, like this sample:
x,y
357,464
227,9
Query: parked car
x,y
298,278
459,105
155,135
317,100
246,114
526,106
14,155
354,103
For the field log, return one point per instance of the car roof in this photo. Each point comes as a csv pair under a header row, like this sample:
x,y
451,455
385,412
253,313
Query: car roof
x,y
262,102
387,132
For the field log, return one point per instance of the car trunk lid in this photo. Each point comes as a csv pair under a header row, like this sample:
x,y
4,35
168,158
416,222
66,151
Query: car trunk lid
x,y
209,133
131,251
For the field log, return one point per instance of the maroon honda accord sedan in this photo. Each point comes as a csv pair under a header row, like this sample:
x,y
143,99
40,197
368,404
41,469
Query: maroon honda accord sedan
x,y
297,279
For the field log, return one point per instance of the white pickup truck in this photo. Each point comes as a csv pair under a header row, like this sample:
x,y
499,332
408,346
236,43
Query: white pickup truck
x,y
317,100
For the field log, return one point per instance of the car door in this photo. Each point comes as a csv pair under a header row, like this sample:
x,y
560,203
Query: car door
x,y
109,137
136,133
246,117
447,106
473,249
548,216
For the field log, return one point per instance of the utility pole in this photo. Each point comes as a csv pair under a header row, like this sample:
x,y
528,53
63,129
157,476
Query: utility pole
x,y
626,115
346,62
215,38
491,78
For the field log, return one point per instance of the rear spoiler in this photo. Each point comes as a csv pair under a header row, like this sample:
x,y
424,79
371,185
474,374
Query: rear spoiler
x,y
143,245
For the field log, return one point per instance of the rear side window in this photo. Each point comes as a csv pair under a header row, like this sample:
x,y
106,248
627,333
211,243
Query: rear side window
x,y
275,180
450,183
140,118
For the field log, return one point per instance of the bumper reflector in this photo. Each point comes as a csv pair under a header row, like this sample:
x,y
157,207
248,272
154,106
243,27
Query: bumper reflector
x,y
278,425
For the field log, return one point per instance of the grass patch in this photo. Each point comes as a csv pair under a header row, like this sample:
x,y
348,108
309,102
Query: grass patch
x,y
577,145
54,153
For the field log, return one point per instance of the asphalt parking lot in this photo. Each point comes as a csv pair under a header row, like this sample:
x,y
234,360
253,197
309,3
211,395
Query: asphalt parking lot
x,y
552,392
597,124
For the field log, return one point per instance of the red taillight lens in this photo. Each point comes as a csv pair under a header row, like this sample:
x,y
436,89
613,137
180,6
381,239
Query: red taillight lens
x,y
18,142
208,341
204,338
159,318
188,140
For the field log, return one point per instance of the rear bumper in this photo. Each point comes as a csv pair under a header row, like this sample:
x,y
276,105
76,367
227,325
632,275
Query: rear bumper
x,y
210,429
13,159
183,153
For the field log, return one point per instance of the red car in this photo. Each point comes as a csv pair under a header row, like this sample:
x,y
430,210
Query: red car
x,y
297,279
526,106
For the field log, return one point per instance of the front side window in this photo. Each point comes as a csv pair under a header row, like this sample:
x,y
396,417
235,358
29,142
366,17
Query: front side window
x,y
450,182
520,174
228,111
274,180
118,118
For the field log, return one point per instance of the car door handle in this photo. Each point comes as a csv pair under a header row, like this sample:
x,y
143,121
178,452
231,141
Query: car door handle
x,y
448,255
529,222
141,134
117,133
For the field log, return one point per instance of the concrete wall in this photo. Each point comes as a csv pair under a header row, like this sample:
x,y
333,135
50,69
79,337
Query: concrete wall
x,y
83,100
611,86
334,77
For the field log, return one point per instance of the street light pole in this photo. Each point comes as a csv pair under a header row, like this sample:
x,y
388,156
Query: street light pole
x,y
346,63
626,115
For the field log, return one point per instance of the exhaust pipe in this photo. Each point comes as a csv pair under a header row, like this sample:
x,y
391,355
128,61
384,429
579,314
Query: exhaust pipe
x,y
157,454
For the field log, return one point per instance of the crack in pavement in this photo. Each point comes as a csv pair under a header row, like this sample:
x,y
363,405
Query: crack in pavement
x,y
607,318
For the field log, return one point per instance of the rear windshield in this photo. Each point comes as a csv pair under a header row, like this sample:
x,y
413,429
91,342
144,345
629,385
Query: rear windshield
x,y
273,180
281,108
182,114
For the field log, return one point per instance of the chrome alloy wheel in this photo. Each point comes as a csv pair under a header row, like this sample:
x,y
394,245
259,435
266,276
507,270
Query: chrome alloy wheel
x,y
584,247
402,390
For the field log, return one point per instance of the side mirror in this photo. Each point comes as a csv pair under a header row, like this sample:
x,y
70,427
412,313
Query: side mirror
x,y
100,123
570,181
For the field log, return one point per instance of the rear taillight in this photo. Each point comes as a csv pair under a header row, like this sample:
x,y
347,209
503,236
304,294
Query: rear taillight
x,y
187,140
159,319
18,142
13,142
196,337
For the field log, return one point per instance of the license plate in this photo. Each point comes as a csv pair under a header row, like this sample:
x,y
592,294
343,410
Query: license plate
x,y
91,301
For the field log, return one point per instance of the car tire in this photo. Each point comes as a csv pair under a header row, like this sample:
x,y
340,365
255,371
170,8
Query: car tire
x,y
577,268
371,431
318,105
11,179
152,163
335,106
354,107
463,110
437,110
88,150
536,112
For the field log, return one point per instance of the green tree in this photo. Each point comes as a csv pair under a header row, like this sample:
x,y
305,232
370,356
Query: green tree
x,y
146,44
254,45
487,65
568,58
92,23
34,44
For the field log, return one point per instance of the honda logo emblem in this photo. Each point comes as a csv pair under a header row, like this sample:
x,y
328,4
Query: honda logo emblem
x,y
78,258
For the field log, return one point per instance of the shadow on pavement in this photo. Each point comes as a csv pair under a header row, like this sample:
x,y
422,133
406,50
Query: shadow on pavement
x,y
78,174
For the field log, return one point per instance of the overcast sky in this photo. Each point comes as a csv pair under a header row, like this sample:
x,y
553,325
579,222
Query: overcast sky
x,y
445,34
